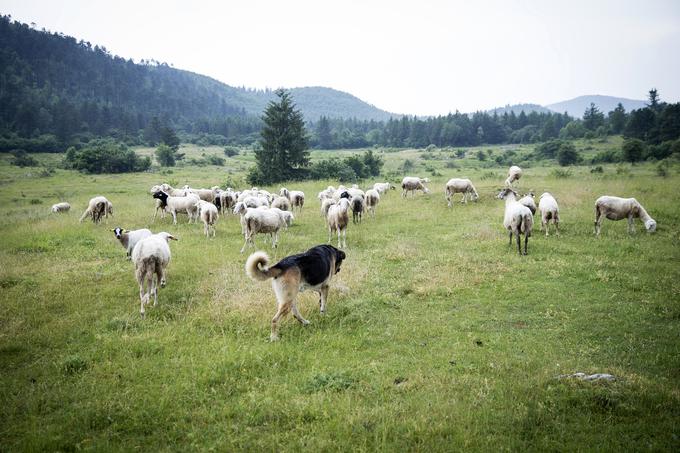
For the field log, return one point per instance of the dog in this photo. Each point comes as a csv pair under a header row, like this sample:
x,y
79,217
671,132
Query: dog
x,y
313,270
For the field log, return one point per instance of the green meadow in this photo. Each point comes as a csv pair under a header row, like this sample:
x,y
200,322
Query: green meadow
x,y
437,337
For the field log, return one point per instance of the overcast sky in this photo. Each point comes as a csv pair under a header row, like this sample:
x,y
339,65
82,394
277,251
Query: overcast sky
x,y
418,57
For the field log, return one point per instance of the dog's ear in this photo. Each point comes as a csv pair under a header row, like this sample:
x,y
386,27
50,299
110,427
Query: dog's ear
x,y
340,255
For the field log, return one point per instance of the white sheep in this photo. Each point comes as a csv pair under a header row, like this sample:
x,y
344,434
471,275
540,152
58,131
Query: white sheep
x,y
358,206
325,205
174,205
297,199
517,218
281,203
372,200
383,187
61,207
227,200
356,192
128,239
97,207
547,205
259,220
411,184
458,185
151,256
616,208
528,201
338,220
255,201
514,173
208,213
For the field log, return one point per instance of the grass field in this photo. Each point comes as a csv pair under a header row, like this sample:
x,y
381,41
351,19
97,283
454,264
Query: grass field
x,y
437,335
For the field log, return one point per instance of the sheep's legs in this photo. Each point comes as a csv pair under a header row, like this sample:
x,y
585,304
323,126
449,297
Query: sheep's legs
x,y
174,218
526,242
557,226
519,243
338,230
153,284
631,224
510,243
598,221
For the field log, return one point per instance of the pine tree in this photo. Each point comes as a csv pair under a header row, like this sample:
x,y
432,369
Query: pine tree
x,y
592,117
323,132
283,146
617,119
653,99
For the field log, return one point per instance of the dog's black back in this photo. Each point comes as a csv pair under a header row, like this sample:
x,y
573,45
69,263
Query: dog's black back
x,y
315,264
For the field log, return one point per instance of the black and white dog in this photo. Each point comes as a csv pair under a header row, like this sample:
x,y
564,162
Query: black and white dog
x,y
313,270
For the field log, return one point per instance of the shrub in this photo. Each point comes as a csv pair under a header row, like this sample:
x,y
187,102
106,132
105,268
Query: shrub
x,y
597,169
549,149
167,156
407,166
662,169
633,149
231,151
480,155
105,156
560,173
607,156
430,148
23,159
460,153
567,154
451,164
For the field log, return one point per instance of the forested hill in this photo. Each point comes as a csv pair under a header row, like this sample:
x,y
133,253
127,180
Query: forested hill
x,y
52,83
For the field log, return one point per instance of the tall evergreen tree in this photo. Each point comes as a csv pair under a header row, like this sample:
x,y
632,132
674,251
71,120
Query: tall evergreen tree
x,y
617,119
592,117
654,99
283,146
323,132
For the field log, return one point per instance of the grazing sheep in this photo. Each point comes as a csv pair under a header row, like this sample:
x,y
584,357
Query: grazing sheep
x,y
372,200
514,173
255,201
286,216
615,208
547,205
528,201
383,187
241,209
411,184
227,200
517,219
179,204
129,239
151,256
464,186
358,205
96,208
326,193
208,213
338,219
61,207
262,221
281,203
356,192
297,199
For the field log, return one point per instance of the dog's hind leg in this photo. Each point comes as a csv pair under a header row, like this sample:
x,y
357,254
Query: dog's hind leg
x,y
284,308
298,316
323,296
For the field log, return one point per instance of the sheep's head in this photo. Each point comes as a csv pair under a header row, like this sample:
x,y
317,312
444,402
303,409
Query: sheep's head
x,y
426,190
650,225
503,194
118,231
161,195
167,236
239,208
475,196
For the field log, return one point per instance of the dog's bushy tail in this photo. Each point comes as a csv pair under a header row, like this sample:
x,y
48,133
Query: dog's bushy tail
x,y
256,267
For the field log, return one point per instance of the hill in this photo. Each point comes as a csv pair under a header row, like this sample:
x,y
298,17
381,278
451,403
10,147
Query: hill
x,y
52,83
575,107
519,108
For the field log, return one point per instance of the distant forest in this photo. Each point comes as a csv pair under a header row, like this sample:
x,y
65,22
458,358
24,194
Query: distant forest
x,y
57,92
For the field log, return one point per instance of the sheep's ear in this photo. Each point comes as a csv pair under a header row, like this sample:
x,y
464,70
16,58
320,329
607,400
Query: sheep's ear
x,y
170,236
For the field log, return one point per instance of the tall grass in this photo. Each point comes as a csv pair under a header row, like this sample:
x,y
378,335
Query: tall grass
x,y
437,336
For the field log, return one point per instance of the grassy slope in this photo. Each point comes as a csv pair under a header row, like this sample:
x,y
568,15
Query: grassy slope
x,y
437,335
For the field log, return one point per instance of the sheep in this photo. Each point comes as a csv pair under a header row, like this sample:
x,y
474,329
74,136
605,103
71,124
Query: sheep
x,y
284,192
326,193
464,186
61,207
281,203
151,256
286,216
262,221
356,192
514,173
358,205
517,219
204,194
128,239
372,200
297,199
325,205
97,207
411,184
383,187
528,201
338,219
167,188
179,204
255,201
241,209
615,208
547,205
227,200
208,214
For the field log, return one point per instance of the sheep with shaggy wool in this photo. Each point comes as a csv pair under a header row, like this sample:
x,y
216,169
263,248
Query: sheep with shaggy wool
x,y
547,206
61,207
517,218
338,220
129,239
358,206
372,200
281,203
383,187
528,201
460,185
151,256
616,208
514,173
96,208
208,214
175,205
412,183
262,220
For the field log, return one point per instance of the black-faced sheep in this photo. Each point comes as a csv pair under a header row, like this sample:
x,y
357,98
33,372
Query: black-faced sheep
x,y
128,239
174,205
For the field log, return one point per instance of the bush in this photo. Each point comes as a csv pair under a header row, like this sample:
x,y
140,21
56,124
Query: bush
x,y
105,156
23,159
549,149
231,151
560,173
632,150
608,156
430,148
662,169
567,154
480,155
597,169
167,156
460,153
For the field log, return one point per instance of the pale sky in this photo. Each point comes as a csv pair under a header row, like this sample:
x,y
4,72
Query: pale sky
x,y
421,57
